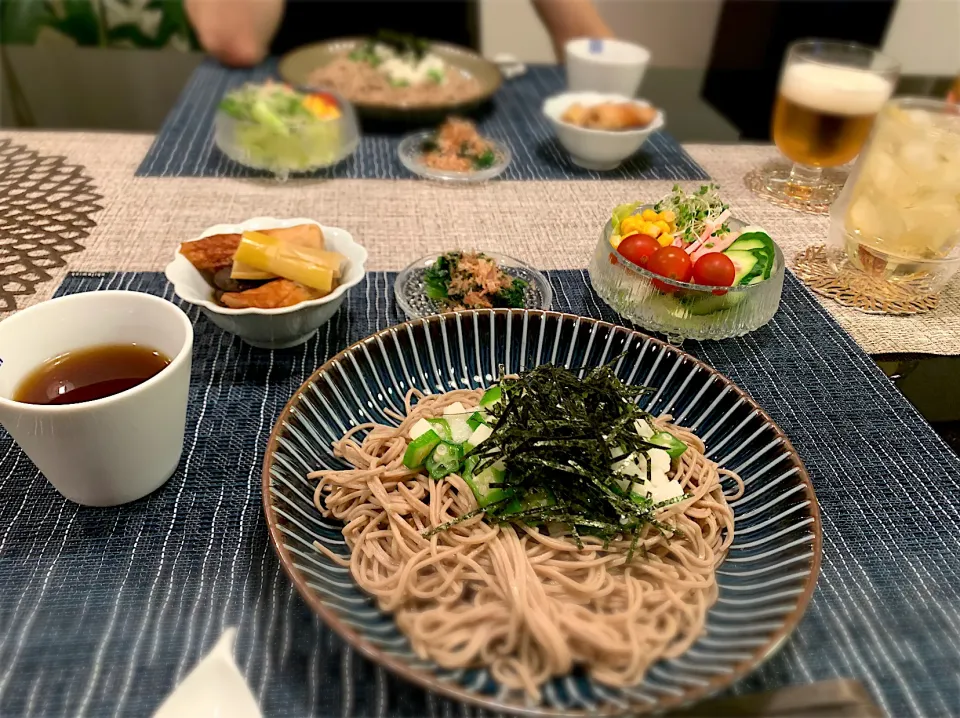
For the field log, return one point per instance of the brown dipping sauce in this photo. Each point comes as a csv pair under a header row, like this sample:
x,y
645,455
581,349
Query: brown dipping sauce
x,y
88,374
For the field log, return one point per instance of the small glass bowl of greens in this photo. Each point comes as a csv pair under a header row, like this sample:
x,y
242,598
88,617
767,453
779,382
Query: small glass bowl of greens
x,y
416,149
430,284
276,128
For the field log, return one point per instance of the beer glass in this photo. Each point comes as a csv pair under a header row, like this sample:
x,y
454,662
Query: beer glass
x,y
829,94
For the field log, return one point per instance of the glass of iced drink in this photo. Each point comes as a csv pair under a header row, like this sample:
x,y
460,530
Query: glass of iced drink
x,y
898,216
829,94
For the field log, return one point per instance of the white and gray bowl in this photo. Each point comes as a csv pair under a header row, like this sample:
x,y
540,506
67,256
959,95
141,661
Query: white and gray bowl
x,y
597,149
270,328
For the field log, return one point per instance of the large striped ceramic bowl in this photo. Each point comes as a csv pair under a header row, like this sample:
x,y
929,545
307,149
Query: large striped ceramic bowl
x,y
765,582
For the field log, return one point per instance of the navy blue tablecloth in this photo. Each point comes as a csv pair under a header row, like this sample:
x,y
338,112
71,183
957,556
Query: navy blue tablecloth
x,y
185,148
102,611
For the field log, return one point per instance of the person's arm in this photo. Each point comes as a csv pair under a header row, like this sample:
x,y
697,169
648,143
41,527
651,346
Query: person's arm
x,y
236,32
567,19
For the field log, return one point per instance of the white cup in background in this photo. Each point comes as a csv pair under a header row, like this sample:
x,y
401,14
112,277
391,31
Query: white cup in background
x,y
613,66
112,450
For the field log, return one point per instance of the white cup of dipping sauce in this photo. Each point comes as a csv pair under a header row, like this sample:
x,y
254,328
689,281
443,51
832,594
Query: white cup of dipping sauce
x,y
112,450
605,65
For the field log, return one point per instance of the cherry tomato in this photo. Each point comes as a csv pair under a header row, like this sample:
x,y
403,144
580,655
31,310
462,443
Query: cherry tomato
x,y
638,247
715,269
672,263
326,97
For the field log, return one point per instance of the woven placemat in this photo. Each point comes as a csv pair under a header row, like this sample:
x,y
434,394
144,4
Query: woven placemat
x,y
104,610
755,181
551,224
853,288
184,147
46,205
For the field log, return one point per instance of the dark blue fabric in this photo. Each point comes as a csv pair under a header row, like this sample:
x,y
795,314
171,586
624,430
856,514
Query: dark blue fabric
x,y
103,610
184,147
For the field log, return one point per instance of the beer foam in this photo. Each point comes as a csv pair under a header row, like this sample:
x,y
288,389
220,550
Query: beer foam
x,y
835,90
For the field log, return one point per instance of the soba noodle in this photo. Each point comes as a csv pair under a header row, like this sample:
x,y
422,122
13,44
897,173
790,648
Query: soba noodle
x,y
359,82
525,604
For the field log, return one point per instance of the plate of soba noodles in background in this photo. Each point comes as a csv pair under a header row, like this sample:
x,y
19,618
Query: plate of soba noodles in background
x,y
542,513
395,76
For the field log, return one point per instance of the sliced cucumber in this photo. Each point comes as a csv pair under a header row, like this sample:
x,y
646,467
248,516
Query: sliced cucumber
x,y
491,396
671,444
758,243
752,239
445,459
705,304
756,274
744,263
419,449
745,243
480,483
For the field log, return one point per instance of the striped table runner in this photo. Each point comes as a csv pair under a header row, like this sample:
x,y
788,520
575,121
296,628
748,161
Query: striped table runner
x,y
184,147
112,607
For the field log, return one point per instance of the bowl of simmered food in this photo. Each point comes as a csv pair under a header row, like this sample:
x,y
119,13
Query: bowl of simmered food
x,y
272,282
601,130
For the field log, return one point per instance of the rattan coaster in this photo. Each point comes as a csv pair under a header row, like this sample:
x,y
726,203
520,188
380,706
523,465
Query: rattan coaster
x,y
755,181
45,208
853,288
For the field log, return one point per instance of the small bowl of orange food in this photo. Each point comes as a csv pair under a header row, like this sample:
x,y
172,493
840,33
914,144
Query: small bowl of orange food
x,y
276,128
601,130
272,282
454,152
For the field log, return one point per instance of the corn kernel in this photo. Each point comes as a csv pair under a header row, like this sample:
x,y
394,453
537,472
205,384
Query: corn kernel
x,y
668,216
664,227
651,229
665,239
631,225
649,215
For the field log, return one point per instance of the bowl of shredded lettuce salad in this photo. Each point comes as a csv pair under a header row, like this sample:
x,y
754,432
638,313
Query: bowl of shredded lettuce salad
x,y
276,128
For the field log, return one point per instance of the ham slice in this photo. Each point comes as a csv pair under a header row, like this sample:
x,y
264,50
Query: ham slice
x,y
708,231
719,244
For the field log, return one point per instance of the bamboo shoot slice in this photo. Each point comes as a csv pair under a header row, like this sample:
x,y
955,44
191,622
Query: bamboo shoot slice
x,y
302,235
310,267
244,271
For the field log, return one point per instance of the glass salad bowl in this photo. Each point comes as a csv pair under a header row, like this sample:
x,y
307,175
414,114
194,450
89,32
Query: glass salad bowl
x,y
283,131
683,310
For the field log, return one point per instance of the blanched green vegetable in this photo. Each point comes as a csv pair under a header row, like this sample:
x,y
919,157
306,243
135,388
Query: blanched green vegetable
x,y
419,449
673,446
444,460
